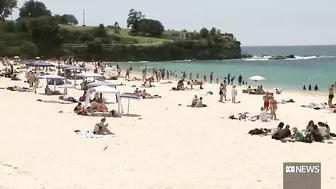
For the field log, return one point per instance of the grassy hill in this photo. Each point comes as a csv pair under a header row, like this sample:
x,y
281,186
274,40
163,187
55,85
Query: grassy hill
x,y
124,33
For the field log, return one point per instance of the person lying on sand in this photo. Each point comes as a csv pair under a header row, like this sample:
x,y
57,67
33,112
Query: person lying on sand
x,y
278,91
101,128
167,82
20,89
136,79
146,95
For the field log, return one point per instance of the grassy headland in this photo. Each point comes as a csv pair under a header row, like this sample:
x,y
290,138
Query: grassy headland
x,y
39,33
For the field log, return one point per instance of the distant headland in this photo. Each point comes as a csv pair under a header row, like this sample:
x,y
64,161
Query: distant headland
x,y
39,32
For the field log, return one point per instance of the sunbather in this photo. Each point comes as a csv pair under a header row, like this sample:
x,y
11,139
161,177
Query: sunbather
x,y
101,128
199,103
194,101
101,107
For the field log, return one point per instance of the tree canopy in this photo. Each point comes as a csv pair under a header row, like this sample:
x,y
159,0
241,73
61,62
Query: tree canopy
x,y
6,8
34,9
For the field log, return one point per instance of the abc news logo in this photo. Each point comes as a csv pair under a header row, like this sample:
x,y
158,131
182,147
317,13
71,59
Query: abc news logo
x,y
302,169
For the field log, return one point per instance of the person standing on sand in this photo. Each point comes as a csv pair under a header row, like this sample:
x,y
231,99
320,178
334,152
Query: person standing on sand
x,y
204,78
331,95
273,106
221,88
240,79
234,94
266,101
211,77
127,74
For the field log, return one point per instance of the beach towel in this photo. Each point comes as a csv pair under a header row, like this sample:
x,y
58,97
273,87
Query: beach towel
x,y
91,135
53,101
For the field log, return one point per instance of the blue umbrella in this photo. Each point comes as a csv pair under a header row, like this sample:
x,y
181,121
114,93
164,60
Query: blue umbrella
x,y
67,86
70,67
40,63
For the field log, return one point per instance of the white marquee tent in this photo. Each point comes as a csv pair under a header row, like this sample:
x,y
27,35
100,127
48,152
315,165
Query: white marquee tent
x,y
103,89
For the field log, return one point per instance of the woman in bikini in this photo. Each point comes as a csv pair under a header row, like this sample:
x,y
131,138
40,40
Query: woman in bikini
x,y
273,106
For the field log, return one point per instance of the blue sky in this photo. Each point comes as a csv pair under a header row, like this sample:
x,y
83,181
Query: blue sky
x,y
254,22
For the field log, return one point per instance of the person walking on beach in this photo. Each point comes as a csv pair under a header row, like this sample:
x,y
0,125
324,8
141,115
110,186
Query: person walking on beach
x,y
331,95
204,78
127,73
234,94
197,75
221,88
309,87
211,77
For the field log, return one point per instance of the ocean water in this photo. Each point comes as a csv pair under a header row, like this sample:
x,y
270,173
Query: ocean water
x,y
311,65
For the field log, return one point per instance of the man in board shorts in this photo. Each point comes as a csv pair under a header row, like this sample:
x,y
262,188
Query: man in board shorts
x,y
331,95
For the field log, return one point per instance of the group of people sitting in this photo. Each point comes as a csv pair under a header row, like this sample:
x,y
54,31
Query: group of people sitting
x,y
95,106
180,85
197,102
313,132
144,94
258,91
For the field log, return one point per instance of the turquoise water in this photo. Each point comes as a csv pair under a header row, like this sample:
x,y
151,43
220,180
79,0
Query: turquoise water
x,y
312,65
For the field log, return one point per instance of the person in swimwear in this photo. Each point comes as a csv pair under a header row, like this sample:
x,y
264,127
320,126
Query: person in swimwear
x,y
273,106
266,101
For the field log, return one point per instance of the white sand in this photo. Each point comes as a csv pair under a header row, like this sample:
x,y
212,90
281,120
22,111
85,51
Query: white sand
x,y
170,147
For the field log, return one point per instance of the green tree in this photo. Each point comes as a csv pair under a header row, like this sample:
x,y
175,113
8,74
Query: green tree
x,y
204,33
34,9
6,8
134,17
28,49
100,31
153,28
9,26
22,25
44,32
58,18
213,31
69,19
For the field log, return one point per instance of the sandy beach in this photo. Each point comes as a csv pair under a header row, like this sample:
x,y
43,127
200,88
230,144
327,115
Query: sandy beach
x,y
169,147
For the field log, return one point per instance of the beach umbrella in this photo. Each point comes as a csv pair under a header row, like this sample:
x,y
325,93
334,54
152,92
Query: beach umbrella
x,y
37,58
257,78
39,64
70,67
16,57
100,83
129,96
66,87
